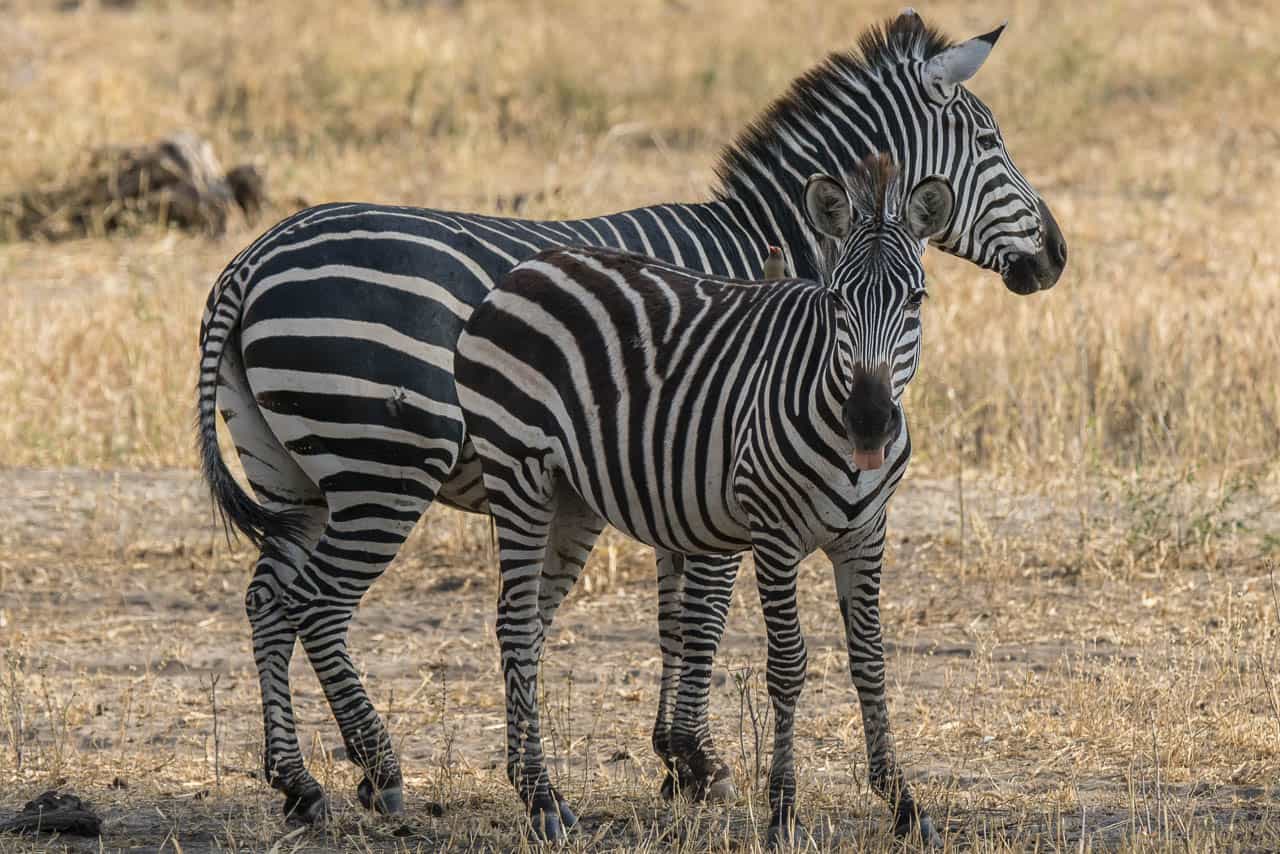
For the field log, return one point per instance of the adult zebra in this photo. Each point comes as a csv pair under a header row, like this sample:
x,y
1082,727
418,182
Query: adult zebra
x,y
327,345
701,415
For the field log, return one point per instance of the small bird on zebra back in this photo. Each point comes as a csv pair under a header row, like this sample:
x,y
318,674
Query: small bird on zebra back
x,y
775,266
599,386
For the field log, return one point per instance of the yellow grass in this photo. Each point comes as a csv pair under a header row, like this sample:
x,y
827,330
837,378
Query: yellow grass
x,y
1150,133
1140,399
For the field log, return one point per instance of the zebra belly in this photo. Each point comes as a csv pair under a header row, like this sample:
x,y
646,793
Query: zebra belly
x,y
727,537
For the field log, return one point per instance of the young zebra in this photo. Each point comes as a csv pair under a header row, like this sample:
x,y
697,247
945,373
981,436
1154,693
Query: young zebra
x,y
707,415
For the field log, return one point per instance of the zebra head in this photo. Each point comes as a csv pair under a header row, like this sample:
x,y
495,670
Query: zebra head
x,y
875,238
901,91
999,223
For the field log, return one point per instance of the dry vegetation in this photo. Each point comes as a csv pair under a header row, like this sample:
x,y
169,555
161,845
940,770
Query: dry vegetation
x,y
1084,628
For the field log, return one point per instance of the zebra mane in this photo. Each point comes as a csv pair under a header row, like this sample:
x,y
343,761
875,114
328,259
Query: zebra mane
x,y
874,188
904,38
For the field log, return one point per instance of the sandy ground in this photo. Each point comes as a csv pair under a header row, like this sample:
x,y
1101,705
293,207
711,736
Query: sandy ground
x,y
1029,692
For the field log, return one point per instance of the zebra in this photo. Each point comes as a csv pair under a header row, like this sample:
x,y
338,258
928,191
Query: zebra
x,y
704,415
327,346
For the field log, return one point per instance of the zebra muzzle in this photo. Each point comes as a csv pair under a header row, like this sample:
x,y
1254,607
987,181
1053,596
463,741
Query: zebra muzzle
x,y
871,418
868,460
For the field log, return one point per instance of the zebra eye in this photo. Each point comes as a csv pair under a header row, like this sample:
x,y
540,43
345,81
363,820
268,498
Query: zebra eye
x,y
988,141
917,299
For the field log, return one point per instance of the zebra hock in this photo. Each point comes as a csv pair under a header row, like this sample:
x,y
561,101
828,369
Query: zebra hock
x,y
327,347
707,415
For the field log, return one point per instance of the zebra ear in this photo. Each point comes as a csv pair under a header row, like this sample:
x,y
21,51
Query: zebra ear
x,y
944,72
826,207
930,206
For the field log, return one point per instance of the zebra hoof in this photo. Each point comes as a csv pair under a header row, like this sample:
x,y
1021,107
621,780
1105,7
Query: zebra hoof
x,y
787,835
912,821
929,834
547,825
388,801
568,818
721,789
308,809
668,789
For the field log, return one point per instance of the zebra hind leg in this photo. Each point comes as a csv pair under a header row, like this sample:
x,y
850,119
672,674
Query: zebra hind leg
x,y
573,533
274,638
281,485
355,548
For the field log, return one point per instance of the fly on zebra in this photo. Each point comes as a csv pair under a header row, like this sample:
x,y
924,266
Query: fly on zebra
x,y
707,415
327,345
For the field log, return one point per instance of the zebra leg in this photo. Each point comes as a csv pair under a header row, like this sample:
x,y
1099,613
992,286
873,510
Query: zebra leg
x,y
573,534
575,527
671,644
856,559
524,526
357,545
279,484
776,580
707,590
274,638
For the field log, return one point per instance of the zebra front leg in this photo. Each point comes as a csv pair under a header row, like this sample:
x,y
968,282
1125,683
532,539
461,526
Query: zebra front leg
x,y
856,559
523,533
776,581
704,607
671,646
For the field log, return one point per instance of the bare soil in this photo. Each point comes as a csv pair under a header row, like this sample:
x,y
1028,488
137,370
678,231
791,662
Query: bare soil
x,y
1037,701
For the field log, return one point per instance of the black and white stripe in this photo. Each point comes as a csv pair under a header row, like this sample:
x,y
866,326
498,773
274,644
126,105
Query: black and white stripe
x,y
328,345
705,415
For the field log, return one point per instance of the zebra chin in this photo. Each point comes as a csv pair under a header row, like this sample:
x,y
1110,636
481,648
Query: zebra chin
x,y
1040,271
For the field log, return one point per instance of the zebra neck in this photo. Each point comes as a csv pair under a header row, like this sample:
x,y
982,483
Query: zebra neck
x,y
762,176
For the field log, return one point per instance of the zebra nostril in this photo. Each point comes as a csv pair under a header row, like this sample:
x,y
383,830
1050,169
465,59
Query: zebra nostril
x,y
1060,253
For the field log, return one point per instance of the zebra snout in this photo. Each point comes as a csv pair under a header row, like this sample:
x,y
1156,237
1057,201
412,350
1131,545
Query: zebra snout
x,y
871,418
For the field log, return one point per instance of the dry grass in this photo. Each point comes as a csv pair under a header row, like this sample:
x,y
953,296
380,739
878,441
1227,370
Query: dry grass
x,y
1150,134
1107,661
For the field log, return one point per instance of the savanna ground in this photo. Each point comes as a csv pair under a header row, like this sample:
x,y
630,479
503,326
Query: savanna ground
x,y
1080,595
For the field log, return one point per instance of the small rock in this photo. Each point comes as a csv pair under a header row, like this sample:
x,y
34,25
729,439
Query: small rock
x,y
55,813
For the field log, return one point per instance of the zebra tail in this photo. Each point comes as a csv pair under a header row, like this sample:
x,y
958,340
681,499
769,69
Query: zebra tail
x,y
234,507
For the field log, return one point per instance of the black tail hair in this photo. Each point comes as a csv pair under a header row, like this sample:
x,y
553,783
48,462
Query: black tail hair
x,y
234,507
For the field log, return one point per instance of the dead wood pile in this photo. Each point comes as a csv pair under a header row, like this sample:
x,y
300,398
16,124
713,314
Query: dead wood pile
x,y
176,181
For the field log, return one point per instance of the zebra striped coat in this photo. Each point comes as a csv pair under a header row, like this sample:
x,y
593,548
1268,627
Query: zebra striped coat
x,y
705,415
327,345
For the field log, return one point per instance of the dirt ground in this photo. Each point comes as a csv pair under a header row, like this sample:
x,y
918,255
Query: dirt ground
x,y
1040,701
1084,654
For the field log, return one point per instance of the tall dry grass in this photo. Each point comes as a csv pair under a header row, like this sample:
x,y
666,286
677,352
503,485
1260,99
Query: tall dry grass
x,y
1150,130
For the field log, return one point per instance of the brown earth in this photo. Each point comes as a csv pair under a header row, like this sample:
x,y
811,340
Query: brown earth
x,y
1039,700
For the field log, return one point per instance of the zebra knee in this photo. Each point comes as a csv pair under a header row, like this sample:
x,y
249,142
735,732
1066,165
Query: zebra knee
x,y
260,600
